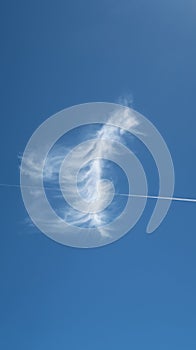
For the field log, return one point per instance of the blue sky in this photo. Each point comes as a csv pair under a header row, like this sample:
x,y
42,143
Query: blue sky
x,y
140,291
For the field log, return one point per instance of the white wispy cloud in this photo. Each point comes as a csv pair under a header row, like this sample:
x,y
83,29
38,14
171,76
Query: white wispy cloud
x,y
126,100
89,177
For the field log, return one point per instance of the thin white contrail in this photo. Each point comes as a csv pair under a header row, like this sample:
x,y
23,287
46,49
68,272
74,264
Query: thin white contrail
x,y
181,199
159,197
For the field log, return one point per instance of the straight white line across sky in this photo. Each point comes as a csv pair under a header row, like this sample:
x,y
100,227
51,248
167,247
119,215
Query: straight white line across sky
x,y
180,199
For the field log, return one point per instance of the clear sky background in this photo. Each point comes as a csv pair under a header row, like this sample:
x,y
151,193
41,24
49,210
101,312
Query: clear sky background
x,y
138,293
